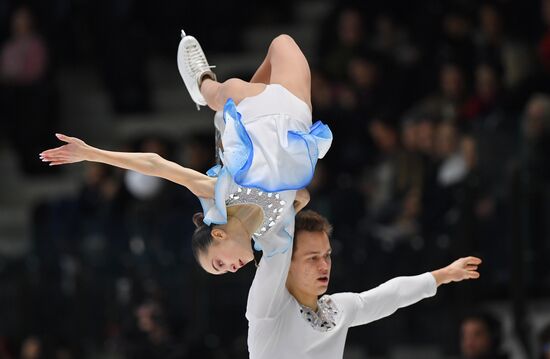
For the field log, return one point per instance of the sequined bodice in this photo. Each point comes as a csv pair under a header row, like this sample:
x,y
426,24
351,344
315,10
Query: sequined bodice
x,y
325,318
271,204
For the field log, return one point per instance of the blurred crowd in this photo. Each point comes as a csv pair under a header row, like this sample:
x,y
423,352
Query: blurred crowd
x,y
441,120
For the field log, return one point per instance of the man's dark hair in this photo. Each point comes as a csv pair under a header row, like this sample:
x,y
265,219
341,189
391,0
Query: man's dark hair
x,y
310,221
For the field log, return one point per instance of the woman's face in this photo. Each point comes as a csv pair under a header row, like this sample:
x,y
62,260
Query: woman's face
x,y
226,254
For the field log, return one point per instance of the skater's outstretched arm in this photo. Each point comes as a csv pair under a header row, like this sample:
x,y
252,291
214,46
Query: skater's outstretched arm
x,y
400,292
459,270
152,164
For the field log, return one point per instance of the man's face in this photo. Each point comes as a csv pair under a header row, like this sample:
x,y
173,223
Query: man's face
x,y
309,271
476,340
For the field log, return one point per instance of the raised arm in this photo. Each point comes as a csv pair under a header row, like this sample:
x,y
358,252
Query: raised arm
x,y
151,164
400,292
268,293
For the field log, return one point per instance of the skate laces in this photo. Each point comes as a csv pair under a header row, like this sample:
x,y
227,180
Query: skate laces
x,y
197,61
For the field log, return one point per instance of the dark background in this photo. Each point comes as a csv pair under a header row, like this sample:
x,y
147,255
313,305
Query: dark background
x,y
441,118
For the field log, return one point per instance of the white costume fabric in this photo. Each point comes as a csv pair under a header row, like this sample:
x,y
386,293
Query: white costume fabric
x,y
270,149
279,327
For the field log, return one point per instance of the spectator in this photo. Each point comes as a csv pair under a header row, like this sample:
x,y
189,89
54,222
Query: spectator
x,y
495,45
457,45
151,337
448,102
27,98
536,181
24,57
480,337
31,348
452,168
349,43
487,95
393,192
366,79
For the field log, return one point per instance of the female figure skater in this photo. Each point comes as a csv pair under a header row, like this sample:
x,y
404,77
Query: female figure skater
x,y
269,152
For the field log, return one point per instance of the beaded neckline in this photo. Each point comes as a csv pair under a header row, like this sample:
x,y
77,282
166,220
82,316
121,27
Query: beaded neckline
x,y
324,319
270,202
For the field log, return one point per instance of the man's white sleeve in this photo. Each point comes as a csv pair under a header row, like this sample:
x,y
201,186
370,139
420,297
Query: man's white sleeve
x,y
385,299
268,293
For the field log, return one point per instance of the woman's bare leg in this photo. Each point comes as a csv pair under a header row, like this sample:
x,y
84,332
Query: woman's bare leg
x,y
289,67
263,73
216,93
285,64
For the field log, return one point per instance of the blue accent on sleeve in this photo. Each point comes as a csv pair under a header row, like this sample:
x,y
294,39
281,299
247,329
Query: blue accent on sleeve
x,y
257,246
214,171
214,210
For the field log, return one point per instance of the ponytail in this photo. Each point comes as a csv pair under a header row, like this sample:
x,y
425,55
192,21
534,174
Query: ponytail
x,y
202,237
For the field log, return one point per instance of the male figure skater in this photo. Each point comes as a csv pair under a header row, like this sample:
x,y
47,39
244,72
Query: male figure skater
x,y
286,318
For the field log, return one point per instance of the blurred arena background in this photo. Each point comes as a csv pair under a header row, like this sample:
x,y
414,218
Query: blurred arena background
x,y
441,118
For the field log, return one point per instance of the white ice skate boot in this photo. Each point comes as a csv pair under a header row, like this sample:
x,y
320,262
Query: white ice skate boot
x,y
193,67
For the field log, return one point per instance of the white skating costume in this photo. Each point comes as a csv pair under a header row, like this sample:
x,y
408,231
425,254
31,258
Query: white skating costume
x,y
270,149
279,327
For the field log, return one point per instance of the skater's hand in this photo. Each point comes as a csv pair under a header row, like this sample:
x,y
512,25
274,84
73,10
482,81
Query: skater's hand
x,y
75,150
459,270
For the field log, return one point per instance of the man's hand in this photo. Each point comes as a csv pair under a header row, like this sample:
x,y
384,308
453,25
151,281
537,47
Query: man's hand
x,y
459,270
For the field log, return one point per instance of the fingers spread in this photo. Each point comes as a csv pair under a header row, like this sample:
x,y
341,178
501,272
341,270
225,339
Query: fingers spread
x,y
473,274
473,260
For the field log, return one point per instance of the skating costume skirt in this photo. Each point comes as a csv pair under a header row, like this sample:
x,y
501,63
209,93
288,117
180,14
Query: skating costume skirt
x,y
270,149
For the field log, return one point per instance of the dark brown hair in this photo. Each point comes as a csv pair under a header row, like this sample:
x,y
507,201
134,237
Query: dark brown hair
x,y
202,237
310,221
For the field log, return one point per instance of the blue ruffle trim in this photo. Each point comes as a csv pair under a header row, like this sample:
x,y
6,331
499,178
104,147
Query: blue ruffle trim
x,y
237,159
238,156
317,141
215,211
239,153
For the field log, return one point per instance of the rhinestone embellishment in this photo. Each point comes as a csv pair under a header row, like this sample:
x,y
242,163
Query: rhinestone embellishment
x,y
271,204
324,319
